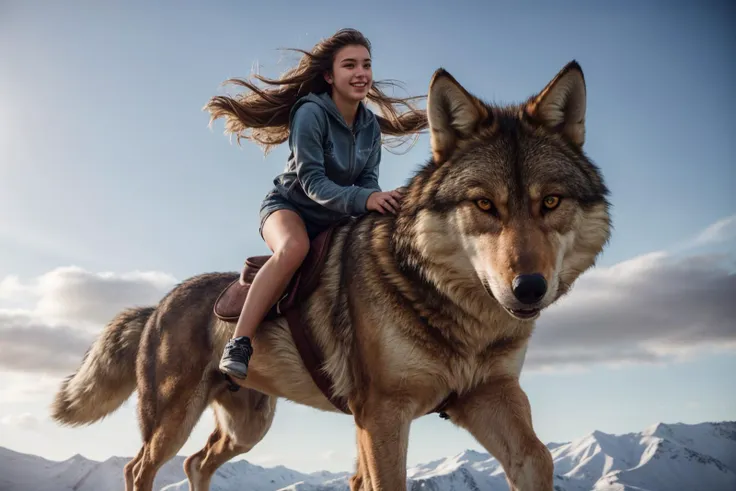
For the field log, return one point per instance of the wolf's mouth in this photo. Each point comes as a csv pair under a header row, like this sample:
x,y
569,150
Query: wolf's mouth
x,y
523,314
488,289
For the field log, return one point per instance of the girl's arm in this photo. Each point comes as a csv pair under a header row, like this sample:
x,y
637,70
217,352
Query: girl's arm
x,y
368,177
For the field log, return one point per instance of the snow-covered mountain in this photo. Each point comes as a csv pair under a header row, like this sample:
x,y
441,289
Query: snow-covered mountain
x,y
662,457
23,472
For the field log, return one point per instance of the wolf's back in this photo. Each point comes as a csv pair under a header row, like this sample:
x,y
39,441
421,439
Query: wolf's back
x,y
106,377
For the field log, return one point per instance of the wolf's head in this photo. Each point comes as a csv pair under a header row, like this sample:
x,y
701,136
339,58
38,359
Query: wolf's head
x,y
510,195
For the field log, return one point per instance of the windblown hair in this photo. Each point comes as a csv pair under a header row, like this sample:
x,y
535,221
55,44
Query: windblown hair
x,y
262,115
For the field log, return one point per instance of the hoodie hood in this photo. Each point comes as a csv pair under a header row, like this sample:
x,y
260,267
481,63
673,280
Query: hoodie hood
x,y
363,117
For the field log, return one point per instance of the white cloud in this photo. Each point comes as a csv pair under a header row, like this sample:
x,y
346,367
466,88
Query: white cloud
x,y
11,288
74,295
654,308
68,308
722,231
31,345
25,421
27,387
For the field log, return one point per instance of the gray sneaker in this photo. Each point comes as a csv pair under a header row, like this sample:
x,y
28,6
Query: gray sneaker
x,y
234,361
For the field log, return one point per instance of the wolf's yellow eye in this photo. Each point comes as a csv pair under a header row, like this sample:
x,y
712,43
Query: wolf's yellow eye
x,y
484,204
551,202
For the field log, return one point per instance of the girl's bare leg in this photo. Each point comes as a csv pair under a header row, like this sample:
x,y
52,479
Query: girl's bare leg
x,y
286,235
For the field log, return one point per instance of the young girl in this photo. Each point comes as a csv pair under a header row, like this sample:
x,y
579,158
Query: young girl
x,y
332,170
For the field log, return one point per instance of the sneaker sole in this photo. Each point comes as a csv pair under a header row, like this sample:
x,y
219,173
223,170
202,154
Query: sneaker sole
x,y
233,372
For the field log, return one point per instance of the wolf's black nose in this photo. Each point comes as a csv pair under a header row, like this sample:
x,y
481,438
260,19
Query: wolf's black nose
x,y
529,288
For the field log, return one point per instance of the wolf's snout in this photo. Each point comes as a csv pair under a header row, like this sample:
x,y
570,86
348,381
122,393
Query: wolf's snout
x,y
529,288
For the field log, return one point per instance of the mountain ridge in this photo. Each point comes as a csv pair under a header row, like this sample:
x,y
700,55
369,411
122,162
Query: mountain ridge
x,y
661,457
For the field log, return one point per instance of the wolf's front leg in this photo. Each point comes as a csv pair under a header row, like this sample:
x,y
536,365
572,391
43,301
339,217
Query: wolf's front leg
x,y
383,439
361,480
498,415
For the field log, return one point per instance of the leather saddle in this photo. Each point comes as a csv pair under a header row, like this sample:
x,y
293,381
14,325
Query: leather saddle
x,y
230,302
229,305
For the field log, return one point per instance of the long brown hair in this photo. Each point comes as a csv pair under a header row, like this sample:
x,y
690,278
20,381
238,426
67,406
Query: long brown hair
x,y
262,115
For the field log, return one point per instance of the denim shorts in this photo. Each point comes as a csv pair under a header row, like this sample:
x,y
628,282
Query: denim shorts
x,y
274,201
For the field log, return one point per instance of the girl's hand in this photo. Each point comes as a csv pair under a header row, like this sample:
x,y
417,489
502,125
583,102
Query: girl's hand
x,y
384,201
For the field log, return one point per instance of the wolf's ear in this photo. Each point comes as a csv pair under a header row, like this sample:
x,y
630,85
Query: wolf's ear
x,y
561,105
453,114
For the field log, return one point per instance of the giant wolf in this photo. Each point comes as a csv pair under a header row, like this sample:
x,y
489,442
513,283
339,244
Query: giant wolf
x,y
440,299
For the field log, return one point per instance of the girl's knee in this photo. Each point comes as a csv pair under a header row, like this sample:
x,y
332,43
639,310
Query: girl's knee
x,y
293,252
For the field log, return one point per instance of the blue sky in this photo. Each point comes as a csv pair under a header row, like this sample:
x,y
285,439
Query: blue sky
x,y
107,164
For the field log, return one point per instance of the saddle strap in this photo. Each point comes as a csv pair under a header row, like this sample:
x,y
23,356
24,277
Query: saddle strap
x,y
450,399
312,359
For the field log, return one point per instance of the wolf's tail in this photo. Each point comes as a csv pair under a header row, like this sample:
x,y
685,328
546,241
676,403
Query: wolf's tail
x,y
106,377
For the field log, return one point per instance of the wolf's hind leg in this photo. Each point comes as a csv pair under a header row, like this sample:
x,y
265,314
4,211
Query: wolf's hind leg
x,y
130,470
242,419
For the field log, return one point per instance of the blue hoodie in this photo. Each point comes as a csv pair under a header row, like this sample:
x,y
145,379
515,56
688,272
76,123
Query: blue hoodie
x,y
331,169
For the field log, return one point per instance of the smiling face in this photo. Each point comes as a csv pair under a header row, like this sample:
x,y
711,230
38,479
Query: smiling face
x,y
515,198
352,73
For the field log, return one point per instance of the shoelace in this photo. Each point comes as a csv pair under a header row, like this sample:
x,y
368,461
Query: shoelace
x,y
242,350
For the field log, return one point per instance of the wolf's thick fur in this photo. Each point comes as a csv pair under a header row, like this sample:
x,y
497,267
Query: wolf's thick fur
x,y
409,307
